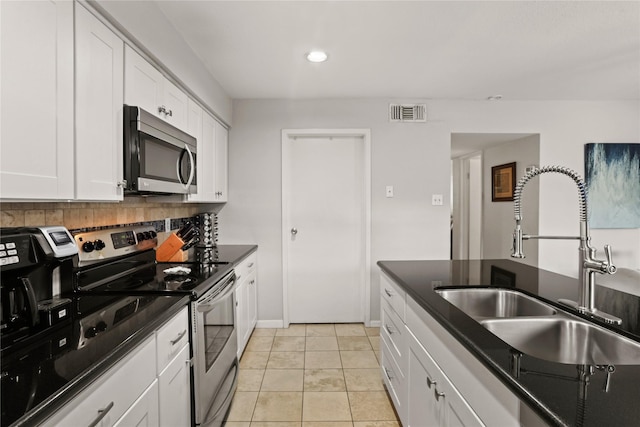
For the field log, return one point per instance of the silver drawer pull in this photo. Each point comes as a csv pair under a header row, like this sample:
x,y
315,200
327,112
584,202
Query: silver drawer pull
x,y
430,382
386,371
389,329
388,292
438,394
174,342
101,414
250,265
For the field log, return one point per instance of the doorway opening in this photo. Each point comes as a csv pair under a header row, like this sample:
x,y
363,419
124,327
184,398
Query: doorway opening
x,y
482,228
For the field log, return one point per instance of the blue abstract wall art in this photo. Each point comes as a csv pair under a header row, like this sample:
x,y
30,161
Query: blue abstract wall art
x,y
612,175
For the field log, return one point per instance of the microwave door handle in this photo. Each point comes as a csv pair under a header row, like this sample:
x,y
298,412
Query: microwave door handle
x,y
192,169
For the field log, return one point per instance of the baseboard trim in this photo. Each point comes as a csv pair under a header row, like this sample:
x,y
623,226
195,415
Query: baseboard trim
x,y
374,324
270,323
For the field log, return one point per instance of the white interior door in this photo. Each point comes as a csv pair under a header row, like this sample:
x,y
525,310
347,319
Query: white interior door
x,y
325,228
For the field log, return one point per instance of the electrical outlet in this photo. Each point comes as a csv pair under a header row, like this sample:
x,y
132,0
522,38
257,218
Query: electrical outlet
x,y
437,199
389,191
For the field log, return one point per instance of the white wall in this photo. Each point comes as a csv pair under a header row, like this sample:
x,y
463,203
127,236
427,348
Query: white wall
x,y
144,21
415,159
498,221
411,157
564,128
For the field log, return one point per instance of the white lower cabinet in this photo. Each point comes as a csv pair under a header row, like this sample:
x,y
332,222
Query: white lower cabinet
x,y
175,391
111,395
433,401
144,412
246,300
432,379
150,386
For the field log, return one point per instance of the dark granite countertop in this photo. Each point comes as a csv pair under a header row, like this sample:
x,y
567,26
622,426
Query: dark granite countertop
x,y
42,377
551,389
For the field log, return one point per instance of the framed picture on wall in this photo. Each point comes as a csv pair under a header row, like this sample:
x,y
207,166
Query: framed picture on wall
x,y
503,182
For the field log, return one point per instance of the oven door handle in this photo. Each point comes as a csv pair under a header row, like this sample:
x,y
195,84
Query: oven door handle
x,y
210,304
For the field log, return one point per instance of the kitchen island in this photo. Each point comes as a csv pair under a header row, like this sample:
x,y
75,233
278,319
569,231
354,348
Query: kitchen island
x,y
555,393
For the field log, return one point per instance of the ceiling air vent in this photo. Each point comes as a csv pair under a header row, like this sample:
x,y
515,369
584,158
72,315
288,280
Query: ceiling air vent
x,y
407,112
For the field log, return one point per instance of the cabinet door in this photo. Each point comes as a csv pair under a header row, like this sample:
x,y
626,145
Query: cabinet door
x,y
144,412
194,121
205,160
175,392
143,83
252,303
36,136
175,103
432,398
99,99
241,315
423,409
220,164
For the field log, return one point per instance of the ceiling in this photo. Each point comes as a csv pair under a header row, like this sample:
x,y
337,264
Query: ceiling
x,y
521,50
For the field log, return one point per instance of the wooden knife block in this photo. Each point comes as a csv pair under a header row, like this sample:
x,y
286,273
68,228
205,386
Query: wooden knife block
x,y
170,250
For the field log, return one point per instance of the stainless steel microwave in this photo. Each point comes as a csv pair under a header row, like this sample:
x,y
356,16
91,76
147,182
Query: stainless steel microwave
x,y
158,157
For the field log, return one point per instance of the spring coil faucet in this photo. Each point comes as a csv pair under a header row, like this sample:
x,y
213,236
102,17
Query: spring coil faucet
x,y
588,264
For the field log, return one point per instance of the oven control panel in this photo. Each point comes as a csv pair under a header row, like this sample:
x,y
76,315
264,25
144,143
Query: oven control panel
x,y
114,242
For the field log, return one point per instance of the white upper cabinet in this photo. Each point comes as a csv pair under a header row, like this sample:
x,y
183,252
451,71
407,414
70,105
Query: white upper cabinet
x,y
221,163
147,88
99,100
36,137
211,160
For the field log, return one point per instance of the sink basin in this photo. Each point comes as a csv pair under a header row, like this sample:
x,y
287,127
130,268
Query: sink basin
x,y
565,340
481,303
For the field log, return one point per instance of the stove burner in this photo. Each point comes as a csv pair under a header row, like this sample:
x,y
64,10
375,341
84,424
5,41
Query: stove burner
x,y
125,284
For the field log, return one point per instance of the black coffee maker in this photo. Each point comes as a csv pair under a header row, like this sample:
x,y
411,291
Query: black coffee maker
x,y
36,274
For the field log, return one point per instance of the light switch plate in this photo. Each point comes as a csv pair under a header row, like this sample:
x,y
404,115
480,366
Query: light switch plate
x,y
436,199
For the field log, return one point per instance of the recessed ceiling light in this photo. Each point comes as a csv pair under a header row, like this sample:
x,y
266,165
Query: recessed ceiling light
x,y
494,98
317,56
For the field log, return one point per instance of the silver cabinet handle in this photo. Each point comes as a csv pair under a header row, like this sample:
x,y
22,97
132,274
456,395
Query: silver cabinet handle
x,y
294,231
430,382
388,292
386,371
389,329
174,342
101,414
438,394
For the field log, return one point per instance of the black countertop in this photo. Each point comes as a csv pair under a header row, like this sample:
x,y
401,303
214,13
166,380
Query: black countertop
x,y
551,389
44,375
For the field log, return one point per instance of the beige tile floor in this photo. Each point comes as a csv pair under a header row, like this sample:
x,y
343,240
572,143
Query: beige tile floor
x,y
316,375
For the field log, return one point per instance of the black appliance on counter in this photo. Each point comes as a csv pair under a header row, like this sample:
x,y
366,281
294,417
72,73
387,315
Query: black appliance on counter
x,y
36,266
121,261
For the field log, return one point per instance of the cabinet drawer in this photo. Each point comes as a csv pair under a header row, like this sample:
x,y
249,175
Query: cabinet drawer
x,y
393,380
393,294
394,333
111,395
172,337
246,267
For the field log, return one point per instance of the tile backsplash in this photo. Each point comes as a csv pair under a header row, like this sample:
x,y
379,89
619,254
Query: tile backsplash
x,y
83,215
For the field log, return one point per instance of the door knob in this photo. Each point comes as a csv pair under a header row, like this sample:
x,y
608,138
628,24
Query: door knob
x,y
294,231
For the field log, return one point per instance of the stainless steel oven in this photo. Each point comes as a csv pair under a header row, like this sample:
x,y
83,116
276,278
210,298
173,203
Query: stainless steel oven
x,y
158,157
214,352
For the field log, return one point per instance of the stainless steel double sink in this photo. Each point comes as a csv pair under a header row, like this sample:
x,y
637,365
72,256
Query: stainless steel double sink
x,y
541,330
